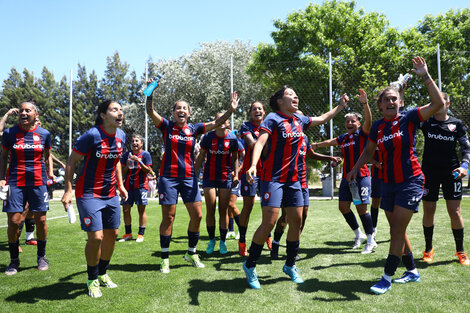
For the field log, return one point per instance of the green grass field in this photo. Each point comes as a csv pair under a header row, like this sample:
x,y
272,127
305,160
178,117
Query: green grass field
x,y
336,277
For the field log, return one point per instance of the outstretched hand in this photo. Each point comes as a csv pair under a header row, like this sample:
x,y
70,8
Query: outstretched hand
x,y
344,100
234,101
362,96
420,67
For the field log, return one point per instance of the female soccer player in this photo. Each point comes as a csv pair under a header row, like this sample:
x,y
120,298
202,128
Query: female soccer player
x,y
136,164
28,147
221,148
233,211
402,188
95,191
177,173
249,132
283,131
352,143
441,166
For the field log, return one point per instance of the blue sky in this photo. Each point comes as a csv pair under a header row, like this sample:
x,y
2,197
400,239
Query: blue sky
x,y
61,34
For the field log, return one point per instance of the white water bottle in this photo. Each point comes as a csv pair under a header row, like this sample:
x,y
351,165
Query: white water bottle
x,y
71,213
355,192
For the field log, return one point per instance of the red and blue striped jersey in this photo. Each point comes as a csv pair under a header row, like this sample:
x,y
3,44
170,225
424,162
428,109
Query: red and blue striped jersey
x,y
284,143
27,167
219,163
179,143
102,153
396,140
304,148
352,146
135,177
245,129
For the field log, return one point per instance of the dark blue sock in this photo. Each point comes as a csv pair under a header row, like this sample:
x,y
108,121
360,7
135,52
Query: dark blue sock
x,y
278,236
13,247
351,220
230,224
128,229
192,242
237,220
428,233
367,223
242,230
21,228
391,264
223,234
292,251
103,266
29,223
255,252
458,237
92,272
141,230
165,245
42,248
374,213
409,261
210,231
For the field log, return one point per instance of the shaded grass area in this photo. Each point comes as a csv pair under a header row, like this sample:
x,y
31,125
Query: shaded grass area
x,y
336,277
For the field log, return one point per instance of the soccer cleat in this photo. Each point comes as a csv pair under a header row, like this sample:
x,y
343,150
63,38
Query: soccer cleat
x,y
293,272
43,263
408,277
297,257
12,269
237,236
126,237
381,287
242,249
428,257
463,258
223,247
374,233
140,238
194,260
94,288
105,281
275,251
269,243
165,266
359,240
251,277
31,242
210,246
231,235
369,247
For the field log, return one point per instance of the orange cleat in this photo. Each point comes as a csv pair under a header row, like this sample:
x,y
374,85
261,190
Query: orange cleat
x,y
31,242
126,237
463,258
269,243
428,257
242,249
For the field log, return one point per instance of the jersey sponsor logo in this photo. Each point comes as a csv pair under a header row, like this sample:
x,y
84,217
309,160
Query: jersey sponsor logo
x,y
348,144
178,137
292,135
218,152
100,155
452,127
440,137
87,220
27,146
391,136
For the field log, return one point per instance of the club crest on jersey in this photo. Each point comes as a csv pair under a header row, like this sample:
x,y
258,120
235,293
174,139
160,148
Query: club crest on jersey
x,y
226,144
87,220
351,136
395,123
452,127
37,138
267,195
103,145
118,144
187,131
296,123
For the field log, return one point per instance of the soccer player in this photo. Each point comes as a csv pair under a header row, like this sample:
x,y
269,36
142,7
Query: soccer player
x,y
177,173
249,132
136,164
95,191
441,167
403,184
279,180
221,148
352,143
28,147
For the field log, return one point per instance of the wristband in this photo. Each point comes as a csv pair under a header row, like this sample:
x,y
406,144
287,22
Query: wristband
x,y
464,165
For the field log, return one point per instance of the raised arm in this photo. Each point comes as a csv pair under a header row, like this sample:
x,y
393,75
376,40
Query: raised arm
x,y
232,107
362,97
154,116
322,119
5,117
437,101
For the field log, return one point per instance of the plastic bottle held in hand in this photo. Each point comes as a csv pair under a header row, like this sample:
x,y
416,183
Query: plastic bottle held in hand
x,y
4,192
355,192
456,174
154,84
56,180
71,213
402,82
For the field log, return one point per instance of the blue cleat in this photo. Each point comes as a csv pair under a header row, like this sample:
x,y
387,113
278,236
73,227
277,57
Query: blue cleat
x,y
223,247
381,287
210,246
251,276
408,277
293,273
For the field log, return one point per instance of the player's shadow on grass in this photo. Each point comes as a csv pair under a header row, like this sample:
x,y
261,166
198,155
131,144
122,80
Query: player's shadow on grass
x,y
4,246
55,292
230,286
374,264
346,290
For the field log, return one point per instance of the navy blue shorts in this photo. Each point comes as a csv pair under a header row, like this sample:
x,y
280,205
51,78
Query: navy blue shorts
x,y
137,196
407,194
97,214
36,196
225,184
363,184
376,187
169,187
236,190
306,196
247,189
275,194
451,188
